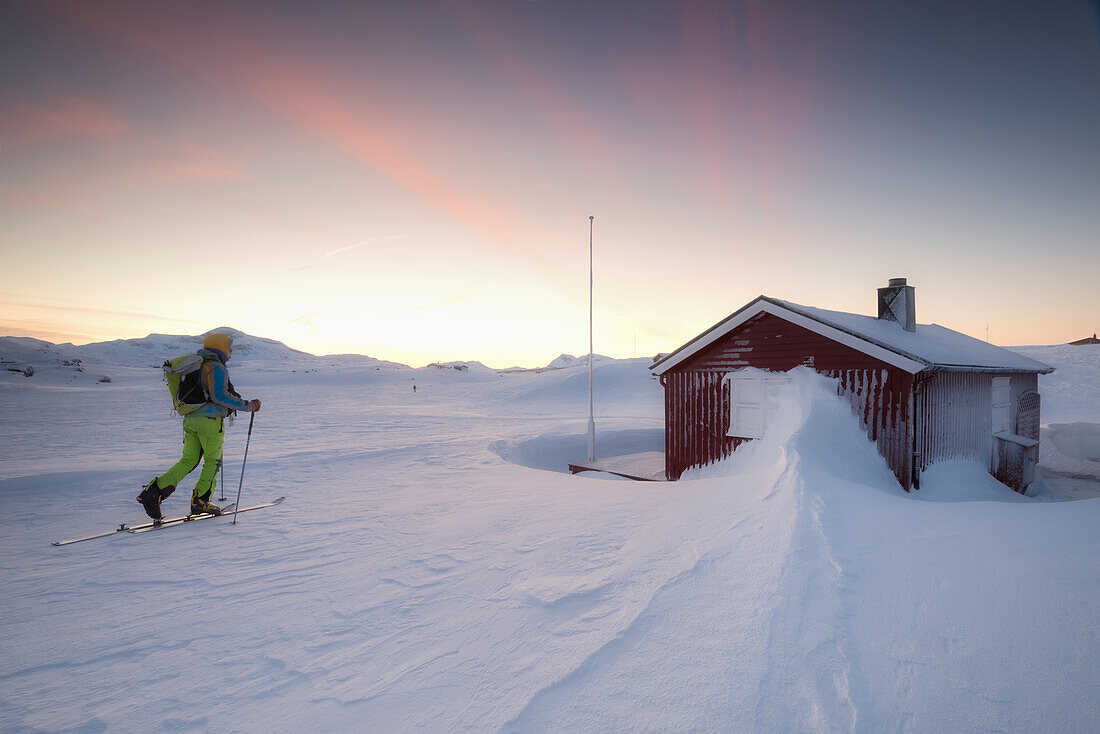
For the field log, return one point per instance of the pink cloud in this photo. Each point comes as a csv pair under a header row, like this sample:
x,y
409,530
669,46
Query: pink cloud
x,y
316,105
61,118
310,98
191,161
61,193
133,163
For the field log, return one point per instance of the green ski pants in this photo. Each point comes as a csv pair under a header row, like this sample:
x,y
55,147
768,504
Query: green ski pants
x,y
202,441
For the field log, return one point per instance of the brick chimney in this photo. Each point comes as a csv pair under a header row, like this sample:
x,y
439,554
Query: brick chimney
x,y
898,302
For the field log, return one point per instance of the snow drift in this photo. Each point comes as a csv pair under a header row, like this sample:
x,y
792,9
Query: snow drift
x,y
1072,448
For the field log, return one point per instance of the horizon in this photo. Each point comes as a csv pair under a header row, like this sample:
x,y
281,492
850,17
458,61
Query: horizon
x,y
515,365
371,178
198,341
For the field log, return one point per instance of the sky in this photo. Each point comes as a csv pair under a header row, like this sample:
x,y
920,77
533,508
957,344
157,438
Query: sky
x,y
414,180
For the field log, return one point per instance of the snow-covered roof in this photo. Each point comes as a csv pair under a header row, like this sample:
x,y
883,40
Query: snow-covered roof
x,y
930,347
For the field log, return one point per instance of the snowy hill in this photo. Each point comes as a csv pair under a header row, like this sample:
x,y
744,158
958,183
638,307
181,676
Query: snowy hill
x,y
23,349
23,357
423,575
459,366
1072,392
151,351
563,362
68,364
568,360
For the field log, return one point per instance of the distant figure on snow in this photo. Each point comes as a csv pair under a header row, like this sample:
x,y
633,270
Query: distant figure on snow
x,y
203,432
414,388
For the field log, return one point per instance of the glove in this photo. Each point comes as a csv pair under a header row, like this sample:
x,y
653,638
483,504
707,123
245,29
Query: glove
x,y
254,406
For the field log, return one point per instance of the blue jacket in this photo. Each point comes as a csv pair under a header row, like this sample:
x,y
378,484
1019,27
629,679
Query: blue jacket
x,y
215,378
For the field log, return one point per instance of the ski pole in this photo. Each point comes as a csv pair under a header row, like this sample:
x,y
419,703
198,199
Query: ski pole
x,y
241,484
221,481
221,474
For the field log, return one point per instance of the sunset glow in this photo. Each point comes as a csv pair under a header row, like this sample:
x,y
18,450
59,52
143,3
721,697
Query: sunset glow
x,y
413,181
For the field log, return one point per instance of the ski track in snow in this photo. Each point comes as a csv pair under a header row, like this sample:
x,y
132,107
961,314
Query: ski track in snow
x,y
814,673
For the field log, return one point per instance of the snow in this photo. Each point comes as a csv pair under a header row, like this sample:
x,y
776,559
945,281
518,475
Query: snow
x,y
930,343
554,451
435,566
568,360
1072,448
1071,394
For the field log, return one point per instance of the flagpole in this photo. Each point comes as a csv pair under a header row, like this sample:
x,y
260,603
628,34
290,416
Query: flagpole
x,y
591,414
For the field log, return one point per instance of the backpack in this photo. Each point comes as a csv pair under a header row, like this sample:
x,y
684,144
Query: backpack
x,y
184,378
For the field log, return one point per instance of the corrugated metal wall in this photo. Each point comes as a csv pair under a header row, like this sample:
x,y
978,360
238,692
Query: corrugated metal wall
x,y
954,418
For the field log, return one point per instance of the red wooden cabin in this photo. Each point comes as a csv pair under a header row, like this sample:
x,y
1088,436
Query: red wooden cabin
x,y
924,393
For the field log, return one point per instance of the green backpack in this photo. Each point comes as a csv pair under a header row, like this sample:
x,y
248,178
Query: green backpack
x,y
184,378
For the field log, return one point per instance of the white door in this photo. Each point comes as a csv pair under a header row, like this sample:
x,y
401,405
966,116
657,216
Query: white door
x,y
752,398
748,406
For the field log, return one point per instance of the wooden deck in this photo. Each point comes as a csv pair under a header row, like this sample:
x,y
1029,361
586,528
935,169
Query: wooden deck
x,y
648,466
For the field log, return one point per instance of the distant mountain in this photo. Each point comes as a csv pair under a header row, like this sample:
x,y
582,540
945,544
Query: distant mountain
x,y
24,349
568,360
255,351
460,366
23,357
152,350
563,362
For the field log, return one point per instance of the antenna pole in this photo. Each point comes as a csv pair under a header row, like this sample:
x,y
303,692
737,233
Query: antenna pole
x,y
591,414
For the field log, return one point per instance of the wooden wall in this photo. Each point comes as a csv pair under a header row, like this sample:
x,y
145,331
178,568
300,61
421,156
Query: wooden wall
x,y
697,402
883,400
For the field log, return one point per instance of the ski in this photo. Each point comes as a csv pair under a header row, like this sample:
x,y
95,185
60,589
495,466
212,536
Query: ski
x,y
194,518
173,521
120,529
124,528
153,525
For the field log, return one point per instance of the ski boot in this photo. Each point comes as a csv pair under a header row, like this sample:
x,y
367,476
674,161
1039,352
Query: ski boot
x,y
152,494
203,505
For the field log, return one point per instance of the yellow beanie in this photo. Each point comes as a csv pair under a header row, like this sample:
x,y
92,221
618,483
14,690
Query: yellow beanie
x,y
221,342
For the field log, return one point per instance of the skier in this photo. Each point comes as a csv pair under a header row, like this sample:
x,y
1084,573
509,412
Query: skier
x,y
203,433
